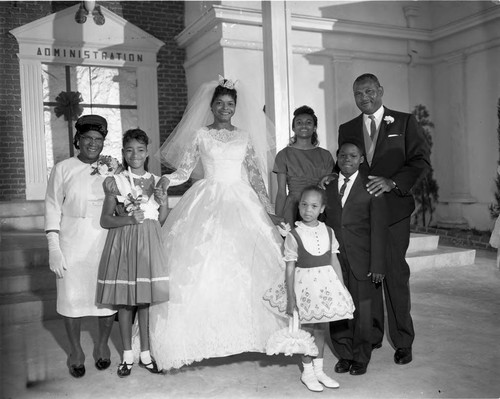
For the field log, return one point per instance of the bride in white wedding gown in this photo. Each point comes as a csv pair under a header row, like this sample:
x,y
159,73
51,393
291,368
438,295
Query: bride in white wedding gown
x,y
223,248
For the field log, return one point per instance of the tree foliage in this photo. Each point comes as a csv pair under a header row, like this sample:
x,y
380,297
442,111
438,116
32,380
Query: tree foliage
x,y
426,189
495,208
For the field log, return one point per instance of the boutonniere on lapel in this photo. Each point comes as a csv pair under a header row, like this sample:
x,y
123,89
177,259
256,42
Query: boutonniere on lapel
x,y
388,120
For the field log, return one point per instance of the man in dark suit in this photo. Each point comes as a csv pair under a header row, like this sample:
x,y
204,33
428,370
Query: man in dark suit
x,y
359,220
396,156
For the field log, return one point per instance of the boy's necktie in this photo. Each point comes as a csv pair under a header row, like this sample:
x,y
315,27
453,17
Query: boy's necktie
x,y
343,187
373,126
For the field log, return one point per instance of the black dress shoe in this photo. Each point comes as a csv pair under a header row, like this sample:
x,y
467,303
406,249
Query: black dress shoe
x,y
102,364
124,369
402,356
378,345
151,367
357,368
77,371
343,366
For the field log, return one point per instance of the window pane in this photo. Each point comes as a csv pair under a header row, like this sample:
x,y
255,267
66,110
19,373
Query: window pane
x,y
111,86
53,81
104,92
56,137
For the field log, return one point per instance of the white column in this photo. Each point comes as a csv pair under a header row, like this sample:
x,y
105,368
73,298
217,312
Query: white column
x,y
411,14
343,99
459,157
277,53
276,32
147,107
35,163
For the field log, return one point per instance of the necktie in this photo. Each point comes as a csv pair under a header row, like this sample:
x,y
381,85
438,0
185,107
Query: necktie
x,y
343,187
373,126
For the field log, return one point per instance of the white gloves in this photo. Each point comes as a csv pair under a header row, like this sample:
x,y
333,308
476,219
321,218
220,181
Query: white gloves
x,y
57,262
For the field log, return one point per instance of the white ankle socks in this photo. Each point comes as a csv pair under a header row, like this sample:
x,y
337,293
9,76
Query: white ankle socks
x,y
146,357
128,357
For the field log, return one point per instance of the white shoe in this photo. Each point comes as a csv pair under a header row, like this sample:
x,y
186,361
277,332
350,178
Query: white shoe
x,y
325,380
310,381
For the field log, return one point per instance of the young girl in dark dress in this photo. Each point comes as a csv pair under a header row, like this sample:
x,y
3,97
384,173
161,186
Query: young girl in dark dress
x,y
132,271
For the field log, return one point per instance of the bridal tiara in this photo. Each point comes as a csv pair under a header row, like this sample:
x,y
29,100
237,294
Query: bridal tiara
x,y
227,83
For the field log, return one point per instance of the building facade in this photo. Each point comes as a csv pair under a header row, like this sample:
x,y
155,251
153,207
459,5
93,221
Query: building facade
x,y
443,55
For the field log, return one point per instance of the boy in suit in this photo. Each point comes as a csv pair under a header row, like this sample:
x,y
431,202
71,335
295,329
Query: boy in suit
x,y
360,222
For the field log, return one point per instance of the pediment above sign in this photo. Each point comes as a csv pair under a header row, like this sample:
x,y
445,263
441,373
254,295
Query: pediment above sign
x,y
61,30
56,55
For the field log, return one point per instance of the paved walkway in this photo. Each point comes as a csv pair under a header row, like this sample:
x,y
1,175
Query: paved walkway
x,y
456,355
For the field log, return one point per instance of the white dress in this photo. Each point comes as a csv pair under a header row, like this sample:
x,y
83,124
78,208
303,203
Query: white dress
x,y
73,205
223,251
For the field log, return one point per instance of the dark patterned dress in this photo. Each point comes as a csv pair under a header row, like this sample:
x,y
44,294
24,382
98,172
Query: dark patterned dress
x,y
132,270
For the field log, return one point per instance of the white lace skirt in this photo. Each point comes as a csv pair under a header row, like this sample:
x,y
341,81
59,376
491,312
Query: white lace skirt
x,y
321,297
223,251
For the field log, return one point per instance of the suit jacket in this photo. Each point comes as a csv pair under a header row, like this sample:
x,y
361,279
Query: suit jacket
x,y
401,154
361,227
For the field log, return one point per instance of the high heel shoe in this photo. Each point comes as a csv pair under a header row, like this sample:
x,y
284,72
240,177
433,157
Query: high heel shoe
x,y
151,367
77,371
102,364
124,369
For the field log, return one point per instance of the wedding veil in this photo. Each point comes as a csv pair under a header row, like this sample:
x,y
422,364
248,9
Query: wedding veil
x,y
249,116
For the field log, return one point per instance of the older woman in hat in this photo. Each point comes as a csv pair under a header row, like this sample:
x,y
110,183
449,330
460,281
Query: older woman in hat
x,y
73,205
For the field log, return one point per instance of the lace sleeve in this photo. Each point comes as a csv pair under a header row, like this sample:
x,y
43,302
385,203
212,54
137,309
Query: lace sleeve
x,y
255,178
187,165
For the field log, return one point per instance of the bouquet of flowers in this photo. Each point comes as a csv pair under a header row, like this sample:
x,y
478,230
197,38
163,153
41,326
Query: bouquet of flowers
x,y
132,202
106,165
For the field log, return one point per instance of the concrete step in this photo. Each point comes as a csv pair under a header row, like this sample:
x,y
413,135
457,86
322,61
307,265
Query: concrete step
x,y
26,280
441,257
21,215
27,286
422,242
24,258
27,307
19,250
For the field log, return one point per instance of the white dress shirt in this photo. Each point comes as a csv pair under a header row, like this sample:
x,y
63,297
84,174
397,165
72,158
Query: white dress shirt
x,y
349,185
378,114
